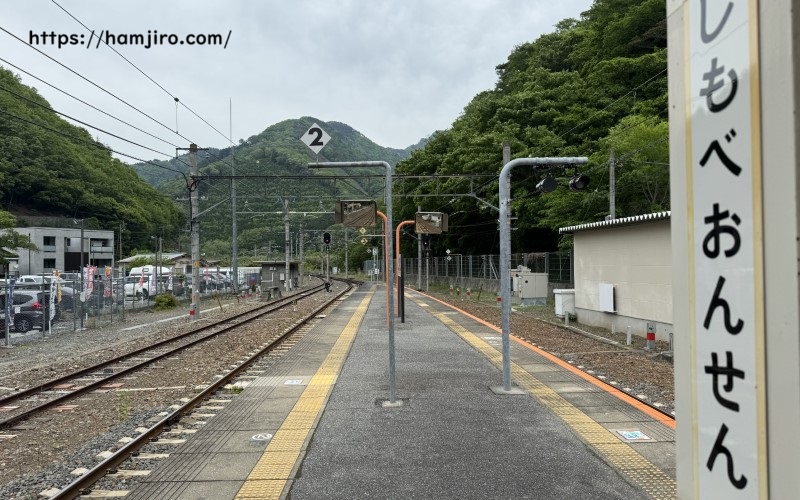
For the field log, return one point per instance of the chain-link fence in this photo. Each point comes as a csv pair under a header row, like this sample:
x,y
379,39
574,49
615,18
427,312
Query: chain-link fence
x,y
474,270
107,301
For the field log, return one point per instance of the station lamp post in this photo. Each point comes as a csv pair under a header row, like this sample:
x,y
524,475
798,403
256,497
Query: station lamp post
x,y
390,272
505,241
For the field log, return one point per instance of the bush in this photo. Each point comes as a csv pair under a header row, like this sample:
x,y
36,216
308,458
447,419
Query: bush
x,y
165,301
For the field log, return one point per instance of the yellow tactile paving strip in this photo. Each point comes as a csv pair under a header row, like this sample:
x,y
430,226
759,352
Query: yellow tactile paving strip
x,y
274,469
619,455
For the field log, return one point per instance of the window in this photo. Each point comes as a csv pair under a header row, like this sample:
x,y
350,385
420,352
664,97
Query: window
x,y
67,242
49,263
49,241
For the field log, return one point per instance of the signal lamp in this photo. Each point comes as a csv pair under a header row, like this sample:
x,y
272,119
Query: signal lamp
x,y
578,182
547,185
326,238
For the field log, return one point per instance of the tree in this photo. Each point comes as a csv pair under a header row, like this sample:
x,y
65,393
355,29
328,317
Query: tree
x,y
10,239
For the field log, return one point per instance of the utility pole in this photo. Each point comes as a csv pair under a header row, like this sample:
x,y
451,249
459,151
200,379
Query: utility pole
x,y
194,310
234,233
159,276
419,257
234,227
612,188
301,267
121,228
287,249
83,279
346,257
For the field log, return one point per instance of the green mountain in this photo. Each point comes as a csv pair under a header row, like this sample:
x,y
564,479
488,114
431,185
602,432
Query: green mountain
x,y
281,145
595,85
273,165
52,172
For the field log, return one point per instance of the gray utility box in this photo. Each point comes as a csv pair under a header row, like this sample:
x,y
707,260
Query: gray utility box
x,y
565,301
533,288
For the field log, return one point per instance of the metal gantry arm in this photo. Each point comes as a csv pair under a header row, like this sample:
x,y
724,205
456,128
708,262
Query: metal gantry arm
x,y
505,247
390,261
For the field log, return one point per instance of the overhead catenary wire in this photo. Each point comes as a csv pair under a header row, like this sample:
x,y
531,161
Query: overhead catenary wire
x,y
103,89
31,101
87,104
91,143
177,101
96,85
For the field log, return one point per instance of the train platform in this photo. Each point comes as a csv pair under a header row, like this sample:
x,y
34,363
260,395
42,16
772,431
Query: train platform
x,y
317,425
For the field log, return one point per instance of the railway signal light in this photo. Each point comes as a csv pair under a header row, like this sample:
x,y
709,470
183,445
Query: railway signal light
x,y
326,238
578,182
426,241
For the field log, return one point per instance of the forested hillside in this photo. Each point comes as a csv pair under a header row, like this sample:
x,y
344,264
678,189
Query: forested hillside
x,y
278,153
595,85
52,169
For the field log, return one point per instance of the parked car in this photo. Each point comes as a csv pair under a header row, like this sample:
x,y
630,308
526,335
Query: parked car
x,y
30,307
69,295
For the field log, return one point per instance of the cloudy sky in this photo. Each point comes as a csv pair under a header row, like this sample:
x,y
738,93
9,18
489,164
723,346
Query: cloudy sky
x,y
396,70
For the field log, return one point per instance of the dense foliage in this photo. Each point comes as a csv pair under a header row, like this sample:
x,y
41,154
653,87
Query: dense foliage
x,y
595,85
51,168
280,155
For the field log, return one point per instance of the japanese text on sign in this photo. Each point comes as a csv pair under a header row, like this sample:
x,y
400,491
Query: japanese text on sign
x,y
725,222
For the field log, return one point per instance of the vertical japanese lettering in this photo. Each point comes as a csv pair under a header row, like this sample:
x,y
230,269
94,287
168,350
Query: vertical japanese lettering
x,y
704,35
729,372
718,449
715,147
716,302
711,243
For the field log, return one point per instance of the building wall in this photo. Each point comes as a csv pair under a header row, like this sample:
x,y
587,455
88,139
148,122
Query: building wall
x,y
637,260
63,249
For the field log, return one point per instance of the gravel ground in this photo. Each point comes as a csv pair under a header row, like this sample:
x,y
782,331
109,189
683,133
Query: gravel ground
x,y
644,374
33,463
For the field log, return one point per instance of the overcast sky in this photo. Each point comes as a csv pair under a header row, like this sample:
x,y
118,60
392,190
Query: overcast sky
x,y
395,70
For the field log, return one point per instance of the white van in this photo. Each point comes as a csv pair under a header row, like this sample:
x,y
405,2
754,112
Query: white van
x,y
138,283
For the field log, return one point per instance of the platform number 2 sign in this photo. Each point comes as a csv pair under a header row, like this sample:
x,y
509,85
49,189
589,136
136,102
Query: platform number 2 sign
x,y
315,138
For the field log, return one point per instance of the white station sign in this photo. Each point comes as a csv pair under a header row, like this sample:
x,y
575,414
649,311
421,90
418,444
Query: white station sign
x,y
725,249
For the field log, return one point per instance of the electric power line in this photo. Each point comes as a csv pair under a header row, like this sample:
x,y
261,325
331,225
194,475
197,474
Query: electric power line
x,y
31,101
145,74
96,85
92,143
87,104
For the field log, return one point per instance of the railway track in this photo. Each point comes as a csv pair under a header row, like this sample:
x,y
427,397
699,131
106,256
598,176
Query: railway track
x,y
110,465
27,403
73,436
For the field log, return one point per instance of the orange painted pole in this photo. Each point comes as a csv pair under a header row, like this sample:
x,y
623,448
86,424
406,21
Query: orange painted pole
x,y
386,258
397,262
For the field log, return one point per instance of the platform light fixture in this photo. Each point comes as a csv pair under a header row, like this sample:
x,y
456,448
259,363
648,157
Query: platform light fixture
x,y
578,182
547,185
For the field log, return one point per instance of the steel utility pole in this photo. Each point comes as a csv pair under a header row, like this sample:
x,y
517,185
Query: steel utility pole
x,y
419,258
82,296
194,309
300,257
287,249
234,227
234,232
612,188
390,271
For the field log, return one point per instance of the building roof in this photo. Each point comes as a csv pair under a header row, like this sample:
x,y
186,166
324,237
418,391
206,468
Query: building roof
x,y
625,221
165,257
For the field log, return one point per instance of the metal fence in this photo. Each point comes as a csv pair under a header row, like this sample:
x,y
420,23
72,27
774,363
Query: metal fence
x,y
107,302
467,270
